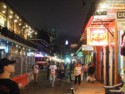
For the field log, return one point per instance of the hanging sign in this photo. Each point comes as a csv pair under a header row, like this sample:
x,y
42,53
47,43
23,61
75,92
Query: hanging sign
x,y
87,48
97,36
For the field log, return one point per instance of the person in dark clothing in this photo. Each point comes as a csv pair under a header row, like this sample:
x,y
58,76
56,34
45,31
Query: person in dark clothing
x,y
71,66
91,71
7,86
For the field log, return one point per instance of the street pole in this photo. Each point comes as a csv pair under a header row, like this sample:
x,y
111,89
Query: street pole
x,y
116,57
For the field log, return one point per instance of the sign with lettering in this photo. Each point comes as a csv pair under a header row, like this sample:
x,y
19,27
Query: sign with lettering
x,y
121,15
115,1
121,20
97,36
87,48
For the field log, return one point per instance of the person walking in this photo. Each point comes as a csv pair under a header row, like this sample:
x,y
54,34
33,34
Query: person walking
x,y
7,86
78,72
35,70
53,69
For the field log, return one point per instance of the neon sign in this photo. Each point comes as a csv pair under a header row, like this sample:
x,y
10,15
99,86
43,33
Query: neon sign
x,y
97,36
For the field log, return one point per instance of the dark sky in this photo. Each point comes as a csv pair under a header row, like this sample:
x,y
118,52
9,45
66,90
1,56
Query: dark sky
x,y
66,16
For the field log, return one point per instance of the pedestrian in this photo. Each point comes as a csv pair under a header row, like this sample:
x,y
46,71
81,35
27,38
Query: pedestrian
x,y
48,64
53,69
35,70
67,71
61,71
78,72
7,86
71,67
91,72
84,69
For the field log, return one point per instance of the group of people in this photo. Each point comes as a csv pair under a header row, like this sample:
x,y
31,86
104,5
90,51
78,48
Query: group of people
x,y
7,67
88,72
56,70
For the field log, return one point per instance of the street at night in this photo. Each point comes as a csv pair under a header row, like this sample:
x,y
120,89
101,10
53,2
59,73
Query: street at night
x,y
62,46
62,87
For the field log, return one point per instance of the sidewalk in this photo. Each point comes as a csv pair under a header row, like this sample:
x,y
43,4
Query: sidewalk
x,y
89,88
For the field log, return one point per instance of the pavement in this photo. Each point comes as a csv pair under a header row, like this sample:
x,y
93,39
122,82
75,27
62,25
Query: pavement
x,y
89,88
62,87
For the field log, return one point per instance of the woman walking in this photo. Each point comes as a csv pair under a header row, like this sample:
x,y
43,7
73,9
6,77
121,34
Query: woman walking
x,y
35,70
78,72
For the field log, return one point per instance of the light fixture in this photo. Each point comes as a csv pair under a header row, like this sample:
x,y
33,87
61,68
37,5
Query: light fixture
x,y
31,36
16,45
11,12
10,16
20,24
17,17
4,11
35,33
15,20
4,6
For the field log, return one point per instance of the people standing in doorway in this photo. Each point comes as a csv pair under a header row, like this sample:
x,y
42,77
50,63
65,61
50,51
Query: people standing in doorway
x,y
7,86
91,72
35,70
53,69
78,72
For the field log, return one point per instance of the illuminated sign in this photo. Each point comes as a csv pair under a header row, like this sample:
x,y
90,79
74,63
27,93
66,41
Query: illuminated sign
x,y
121,20
121,14
97,36
87,48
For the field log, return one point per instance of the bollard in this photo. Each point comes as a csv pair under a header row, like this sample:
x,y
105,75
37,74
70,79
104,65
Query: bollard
x,y
72,90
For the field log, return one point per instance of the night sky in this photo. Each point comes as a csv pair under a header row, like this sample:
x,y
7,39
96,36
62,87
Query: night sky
x,y
66,16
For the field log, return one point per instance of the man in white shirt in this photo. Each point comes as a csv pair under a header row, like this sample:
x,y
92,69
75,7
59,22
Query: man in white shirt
x,y
53,69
